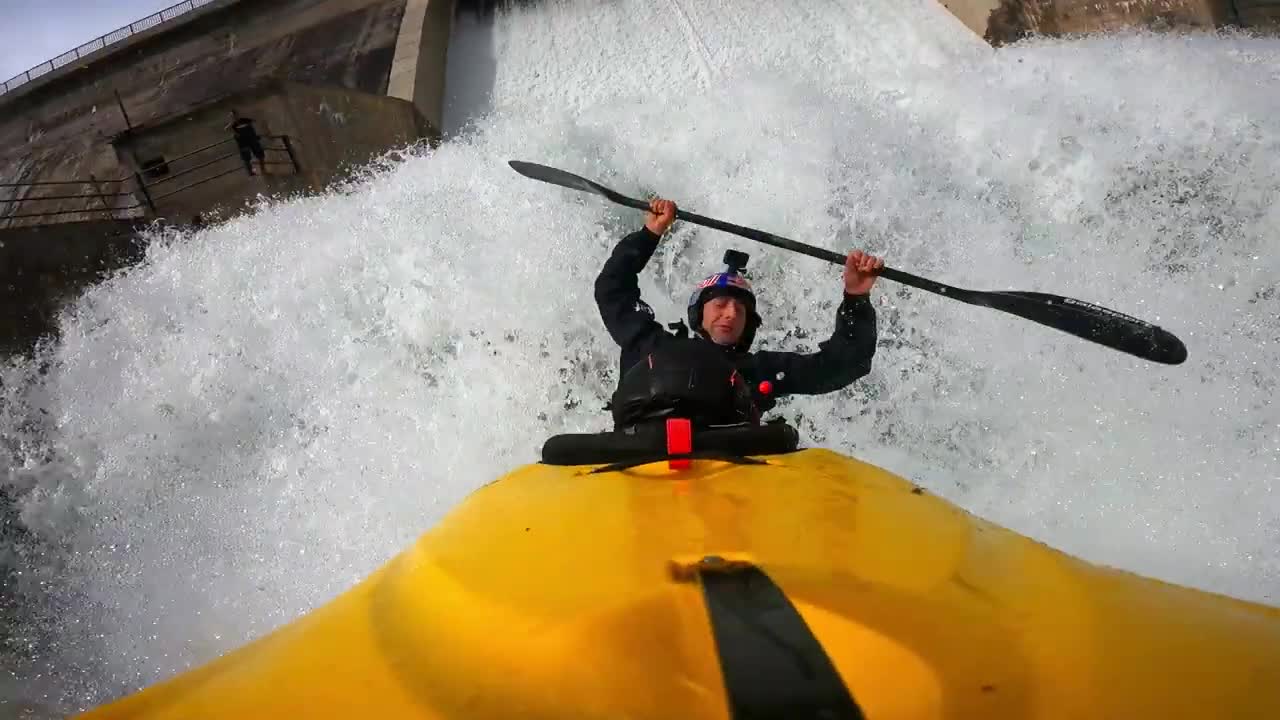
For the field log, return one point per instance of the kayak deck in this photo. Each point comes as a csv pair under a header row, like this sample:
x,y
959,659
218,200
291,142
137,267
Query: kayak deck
x,y
553,592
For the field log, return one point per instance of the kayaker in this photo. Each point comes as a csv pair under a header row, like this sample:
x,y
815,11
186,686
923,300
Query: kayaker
x,y
722,315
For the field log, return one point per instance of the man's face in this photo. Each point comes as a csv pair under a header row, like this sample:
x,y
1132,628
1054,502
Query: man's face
x,y
724,319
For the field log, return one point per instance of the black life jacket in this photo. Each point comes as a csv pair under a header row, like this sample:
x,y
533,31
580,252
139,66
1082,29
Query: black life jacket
x,y
688,378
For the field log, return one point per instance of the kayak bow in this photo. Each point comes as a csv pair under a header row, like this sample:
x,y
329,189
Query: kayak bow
x,y
812,583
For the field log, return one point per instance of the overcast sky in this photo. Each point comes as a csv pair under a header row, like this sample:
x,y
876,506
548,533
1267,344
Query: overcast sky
x,y
33,31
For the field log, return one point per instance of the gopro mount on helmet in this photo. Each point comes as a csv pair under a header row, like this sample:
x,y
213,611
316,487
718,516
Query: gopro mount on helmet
x,y
735,261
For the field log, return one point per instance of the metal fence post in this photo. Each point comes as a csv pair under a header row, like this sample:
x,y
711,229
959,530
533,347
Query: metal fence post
x,y
288,147
101,196
142,186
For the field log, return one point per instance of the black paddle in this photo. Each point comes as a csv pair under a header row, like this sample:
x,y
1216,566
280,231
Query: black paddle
x,y
1085,320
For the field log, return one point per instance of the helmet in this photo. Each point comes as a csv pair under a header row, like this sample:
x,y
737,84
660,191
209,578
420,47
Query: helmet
x,y
726,282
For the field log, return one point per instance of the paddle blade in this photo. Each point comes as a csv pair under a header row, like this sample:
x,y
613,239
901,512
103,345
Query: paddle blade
x,y
1091,322
559,177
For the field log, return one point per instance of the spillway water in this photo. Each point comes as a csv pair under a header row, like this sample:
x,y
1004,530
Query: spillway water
x,y
261,413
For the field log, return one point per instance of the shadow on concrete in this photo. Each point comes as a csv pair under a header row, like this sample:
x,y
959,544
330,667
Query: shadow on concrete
x,y
44,267
471,69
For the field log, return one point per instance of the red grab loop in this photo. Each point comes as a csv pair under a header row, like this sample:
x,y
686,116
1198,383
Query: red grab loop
x,y
679,442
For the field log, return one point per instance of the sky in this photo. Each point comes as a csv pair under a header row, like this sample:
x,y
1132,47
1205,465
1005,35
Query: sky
x,y
34,31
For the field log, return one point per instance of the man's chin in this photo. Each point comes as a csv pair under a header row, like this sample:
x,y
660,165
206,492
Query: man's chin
x,y
723,339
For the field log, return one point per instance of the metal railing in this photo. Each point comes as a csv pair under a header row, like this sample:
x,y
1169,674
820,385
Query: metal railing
x,y
101,42
151,198
142,191
9,207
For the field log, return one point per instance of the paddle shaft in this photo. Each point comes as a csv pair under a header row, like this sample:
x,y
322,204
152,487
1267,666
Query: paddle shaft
x,y
1084,320
804,249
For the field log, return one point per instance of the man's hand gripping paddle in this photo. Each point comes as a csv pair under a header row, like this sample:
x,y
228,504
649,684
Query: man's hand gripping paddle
x,y
1076,317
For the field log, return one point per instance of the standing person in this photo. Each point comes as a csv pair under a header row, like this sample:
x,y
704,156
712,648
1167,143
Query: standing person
x,y
665,373
248,142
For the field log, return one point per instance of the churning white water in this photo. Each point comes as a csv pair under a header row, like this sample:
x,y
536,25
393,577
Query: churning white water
x,y
262,413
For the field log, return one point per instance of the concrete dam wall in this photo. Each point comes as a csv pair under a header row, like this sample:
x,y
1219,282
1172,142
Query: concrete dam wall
x,y
61,126
1000,22
138,130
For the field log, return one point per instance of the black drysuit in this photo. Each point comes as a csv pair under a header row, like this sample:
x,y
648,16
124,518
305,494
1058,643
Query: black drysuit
x,y
841,359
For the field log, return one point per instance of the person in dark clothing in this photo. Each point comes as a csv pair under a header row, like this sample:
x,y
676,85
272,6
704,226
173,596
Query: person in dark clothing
x,y
248,142
713,374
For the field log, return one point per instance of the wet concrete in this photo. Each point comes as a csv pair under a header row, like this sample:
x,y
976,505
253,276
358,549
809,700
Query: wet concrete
x,y
43,268
1001,22
318,71
60,128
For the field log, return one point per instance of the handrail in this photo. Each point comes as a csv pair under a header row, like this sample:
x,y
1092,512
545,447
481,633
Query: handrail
x,y
229,156
141,183
101,42
112,212
61,182
210,146
201,181
191,169
65,197
9,207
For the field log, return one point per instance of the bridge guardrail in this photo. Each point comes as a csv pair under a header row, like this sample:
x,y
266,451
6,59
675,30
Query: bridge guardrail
x,y
101,42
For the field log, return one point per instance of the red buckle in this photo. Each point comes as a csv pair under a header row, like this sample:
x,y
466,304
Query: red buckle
x,y
679,442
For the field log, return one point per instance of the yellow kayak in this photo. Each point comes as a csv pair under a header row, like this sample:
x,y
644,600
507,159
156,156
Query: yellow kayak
x,y
802,585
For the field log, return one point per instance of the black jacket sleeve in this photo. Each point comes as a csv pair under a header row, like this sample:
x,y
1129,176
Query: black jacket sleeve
x,y
629,320
841,359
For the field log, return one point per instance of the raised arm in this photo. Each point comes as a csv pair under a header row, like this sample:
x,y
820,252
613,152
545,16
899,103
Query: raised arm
x,y
628,318
847,354
840,359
